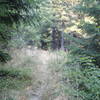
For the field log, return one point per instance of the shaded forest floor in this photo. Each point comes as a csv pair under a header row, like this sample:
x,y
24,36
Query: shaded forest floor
x,y
41,65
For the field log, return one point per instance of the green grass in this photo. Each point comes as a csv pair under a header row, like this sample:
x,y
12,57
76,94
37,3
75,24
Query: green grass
x,y
77,83
12,78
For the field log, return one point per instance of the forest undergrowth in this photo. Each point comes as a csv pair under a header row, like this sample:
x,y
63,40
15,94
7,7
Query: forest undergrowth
x,y
49,50
37,78
35,74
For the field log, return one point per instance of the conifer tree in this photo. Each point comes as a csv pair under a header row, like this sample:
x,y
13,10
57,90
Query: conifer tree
x,y
91,28
12,13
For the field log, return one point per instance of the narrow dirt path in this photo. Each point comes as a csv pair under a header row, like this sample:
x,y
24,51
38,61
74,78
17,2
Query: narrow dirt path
x,y
47,83
43,75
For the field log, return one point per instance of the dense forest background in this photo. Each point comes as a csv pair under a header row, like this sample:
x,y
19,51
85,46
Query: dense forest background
x,y
68,30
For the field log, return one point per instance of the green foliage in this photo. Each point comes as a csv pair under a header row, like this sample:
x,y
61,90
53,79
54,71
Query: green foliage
x,y
90,46
85,84
90,28
80,78
4,57
91,7
11,78
13,14
80,74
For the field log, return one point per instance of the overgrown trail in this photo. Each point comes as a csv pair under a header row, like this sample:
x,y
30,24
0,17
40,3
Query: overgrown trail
x,y
43,75
45,82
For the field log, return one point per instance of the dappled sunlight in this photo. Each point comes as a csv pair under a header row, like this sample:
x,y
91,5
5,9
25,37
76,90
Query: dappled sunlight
x,y
49,50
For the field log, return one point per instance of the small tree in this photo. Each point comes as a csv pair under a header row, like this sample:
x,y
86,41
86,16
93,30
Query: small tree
x,y
12,13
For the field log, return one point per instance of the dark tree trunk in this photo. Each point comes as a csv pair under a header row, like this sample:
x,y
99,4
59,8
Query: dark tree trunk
x,y
54,42
62,40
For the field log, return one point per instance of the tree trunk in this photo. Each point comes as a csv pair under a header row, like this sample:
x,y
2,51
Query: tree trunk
x,y
62,40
